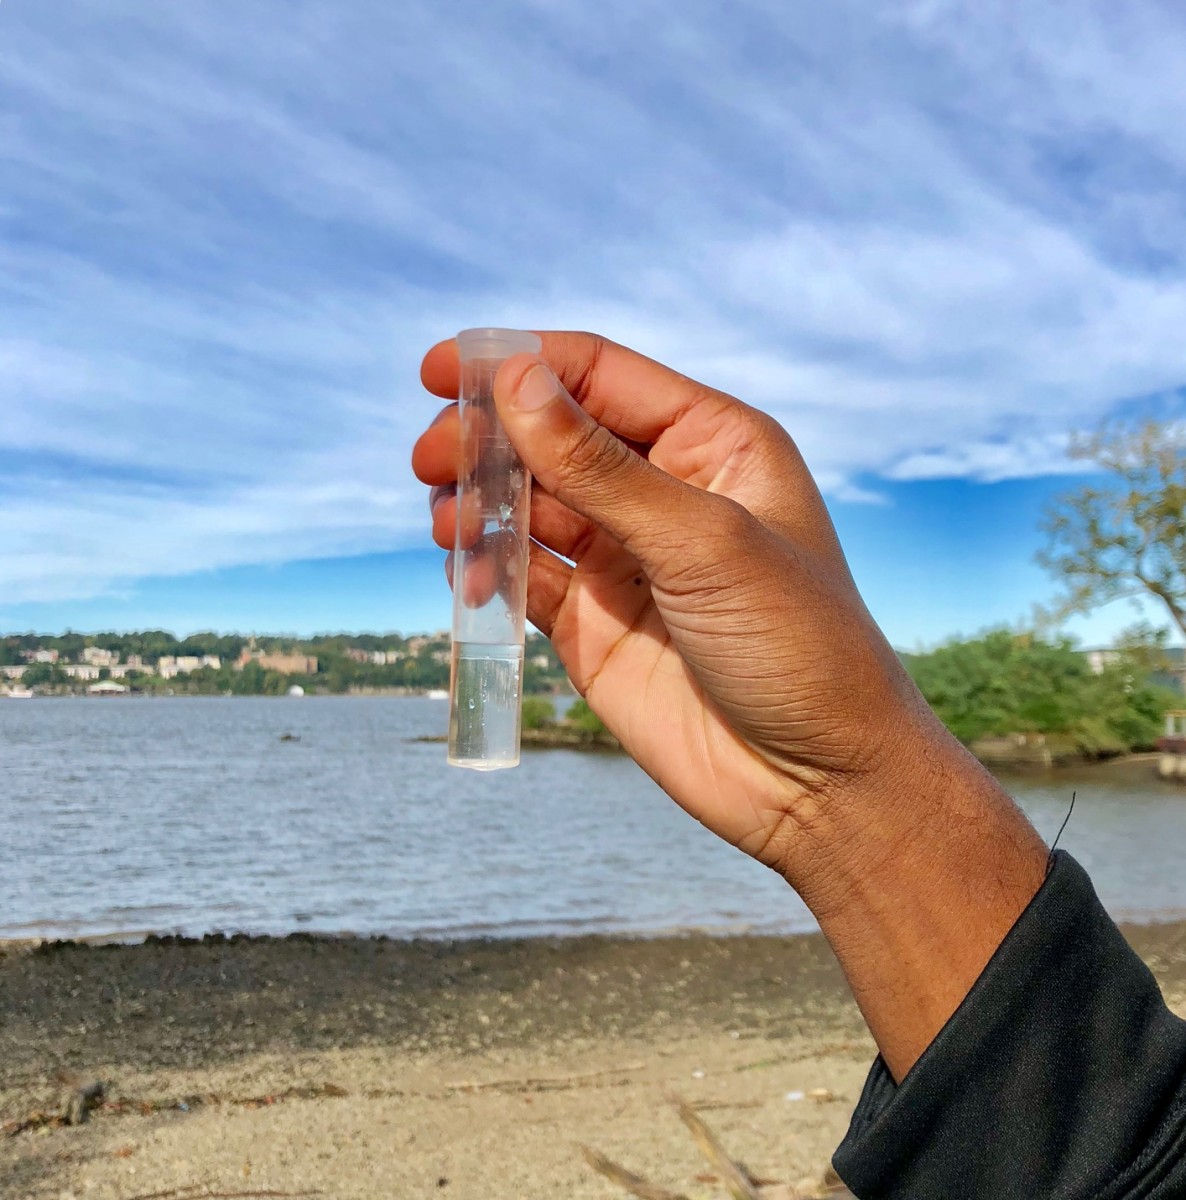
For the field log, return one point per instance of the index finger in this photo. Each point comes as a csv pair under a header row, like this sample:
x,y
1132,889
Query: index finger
x,y
635,396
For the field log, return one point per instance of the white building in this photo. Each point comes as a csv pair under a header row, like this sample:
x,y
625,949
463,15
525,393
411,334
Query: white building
x,y
98,657
1097,660
81,671
107,688
170,666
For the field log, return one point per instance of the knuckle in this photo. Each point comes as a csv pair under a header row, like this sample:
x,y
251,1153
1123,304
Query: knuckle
x,y
593,451
583,377
728,520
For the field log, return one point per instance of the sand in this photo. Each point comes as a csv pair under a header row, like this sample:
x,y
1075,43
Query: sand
x,y
361,1069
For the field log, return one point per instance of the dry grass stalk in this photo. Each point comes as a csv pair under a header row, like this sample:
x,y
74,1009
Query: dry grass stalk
x,y
740,1183
200,1191
546,1083
735,1178
627,1180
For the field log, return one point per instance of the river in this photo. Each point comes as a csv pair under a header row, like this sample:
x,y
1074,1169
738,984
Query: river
x,y
189,815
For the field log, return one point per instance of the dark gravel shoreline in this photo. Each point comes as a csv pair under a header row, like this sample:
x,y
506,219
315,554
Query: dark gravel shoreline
x,y
340,1063
155,1003
158,1002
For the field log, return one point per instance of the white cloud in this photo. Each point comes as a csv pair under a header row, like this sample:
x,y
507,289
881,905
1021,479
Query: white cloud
x,y
989,462
929,237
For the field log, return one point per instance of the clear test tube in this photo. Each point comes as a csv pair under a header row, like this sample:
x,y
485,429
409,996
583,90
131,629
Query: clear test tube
x,y
489,563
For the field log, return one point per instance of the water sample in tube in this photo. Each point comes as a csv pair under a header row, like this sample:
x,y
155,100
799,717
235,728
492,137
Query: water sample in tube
x,y
489,563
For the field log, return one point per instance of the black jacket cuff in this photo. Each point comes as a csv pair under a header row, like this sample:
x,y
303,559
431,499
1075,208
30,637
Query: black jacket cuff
x,y
1062,1074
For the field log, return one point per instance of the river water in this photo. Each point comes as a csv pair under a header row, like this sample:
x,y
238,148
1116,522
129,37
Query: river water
x,y
190,815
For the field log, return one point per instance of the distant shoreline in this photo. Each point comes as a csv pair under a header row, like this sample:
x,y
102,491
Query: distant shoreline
x,y
1022,760
1172,926
355,693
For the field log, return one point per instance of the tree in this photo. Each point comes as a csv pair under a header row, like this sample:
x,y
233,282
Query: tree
x,y
39,673
1004,682
537,713
1127,537
584,718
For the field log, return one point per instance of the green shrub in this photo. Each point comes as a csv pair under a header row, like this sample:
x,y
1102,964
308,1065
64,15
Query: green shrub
x,y
1004,682
537,712
584,718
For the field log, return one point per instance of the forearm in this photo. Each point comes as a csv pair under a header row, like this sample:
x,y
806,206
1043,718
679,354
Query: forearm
x,y
916,886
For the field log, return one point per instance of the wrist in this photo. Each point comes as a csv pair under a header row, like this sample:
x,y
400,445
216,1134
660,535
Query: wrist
x,y
915,869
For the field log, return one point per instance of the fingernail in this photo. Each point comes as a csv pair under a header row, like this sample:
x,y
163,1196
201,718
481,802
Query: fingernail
x,y
537,388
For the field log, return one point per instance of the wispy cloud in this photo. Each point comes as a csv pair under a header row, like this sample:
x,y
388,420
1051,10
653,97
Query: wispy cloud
x,y
930,237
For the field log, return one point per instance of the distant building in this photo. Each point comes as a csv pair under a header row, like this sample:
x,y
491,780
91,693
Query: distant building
x,y
15,672
286,664
1098,660
80,671
376,658
1176,656
1172,674
107,688
98,657
41,656
135,662
170,666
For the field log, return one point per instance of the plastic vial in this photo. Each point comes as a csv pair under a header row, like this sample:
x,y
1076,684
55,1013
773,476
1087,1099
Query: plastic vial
x,y
489,563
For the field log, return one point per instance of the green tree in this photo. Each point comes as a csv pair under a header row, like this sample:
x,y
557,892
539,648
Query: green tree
x,y
250,680
584,718
1004,682
1125,537
537,712
38,674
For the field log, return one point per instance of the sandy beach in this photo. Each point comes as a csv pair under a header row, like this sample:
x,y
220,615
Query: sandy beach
x,y
362,1069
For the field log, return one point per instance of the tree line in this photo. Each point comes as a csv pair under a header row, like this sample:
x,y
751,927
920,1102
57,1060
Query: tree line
x,y
423,665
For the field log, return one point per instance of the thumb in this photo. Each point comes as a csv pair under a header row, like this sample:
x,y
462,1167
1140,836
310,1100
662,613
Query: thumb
x,y
590,470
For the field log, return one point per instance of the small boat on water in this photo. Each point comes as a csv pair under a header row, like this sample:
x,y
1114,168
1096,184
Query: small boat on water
x,y
19,693
437,694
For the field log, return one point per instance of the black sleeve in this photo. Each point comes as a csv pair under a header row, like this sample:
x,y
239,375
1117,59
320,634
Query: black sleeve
x,y
1061,1075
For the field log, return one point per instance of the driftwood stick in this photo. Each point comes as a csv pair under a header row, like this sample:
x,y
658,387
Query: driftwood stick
x,y
244,1195
733,1177
627,1180
177,1193
198,1191
834,1186
541,1083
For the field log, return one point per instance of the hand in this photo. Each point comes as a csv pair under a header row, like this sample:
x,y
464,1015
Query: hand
x,y
707,615
685,568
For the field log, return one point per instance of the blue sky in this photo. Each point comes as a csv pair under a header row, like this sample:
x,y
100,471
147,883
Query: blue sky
x,y
931,238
